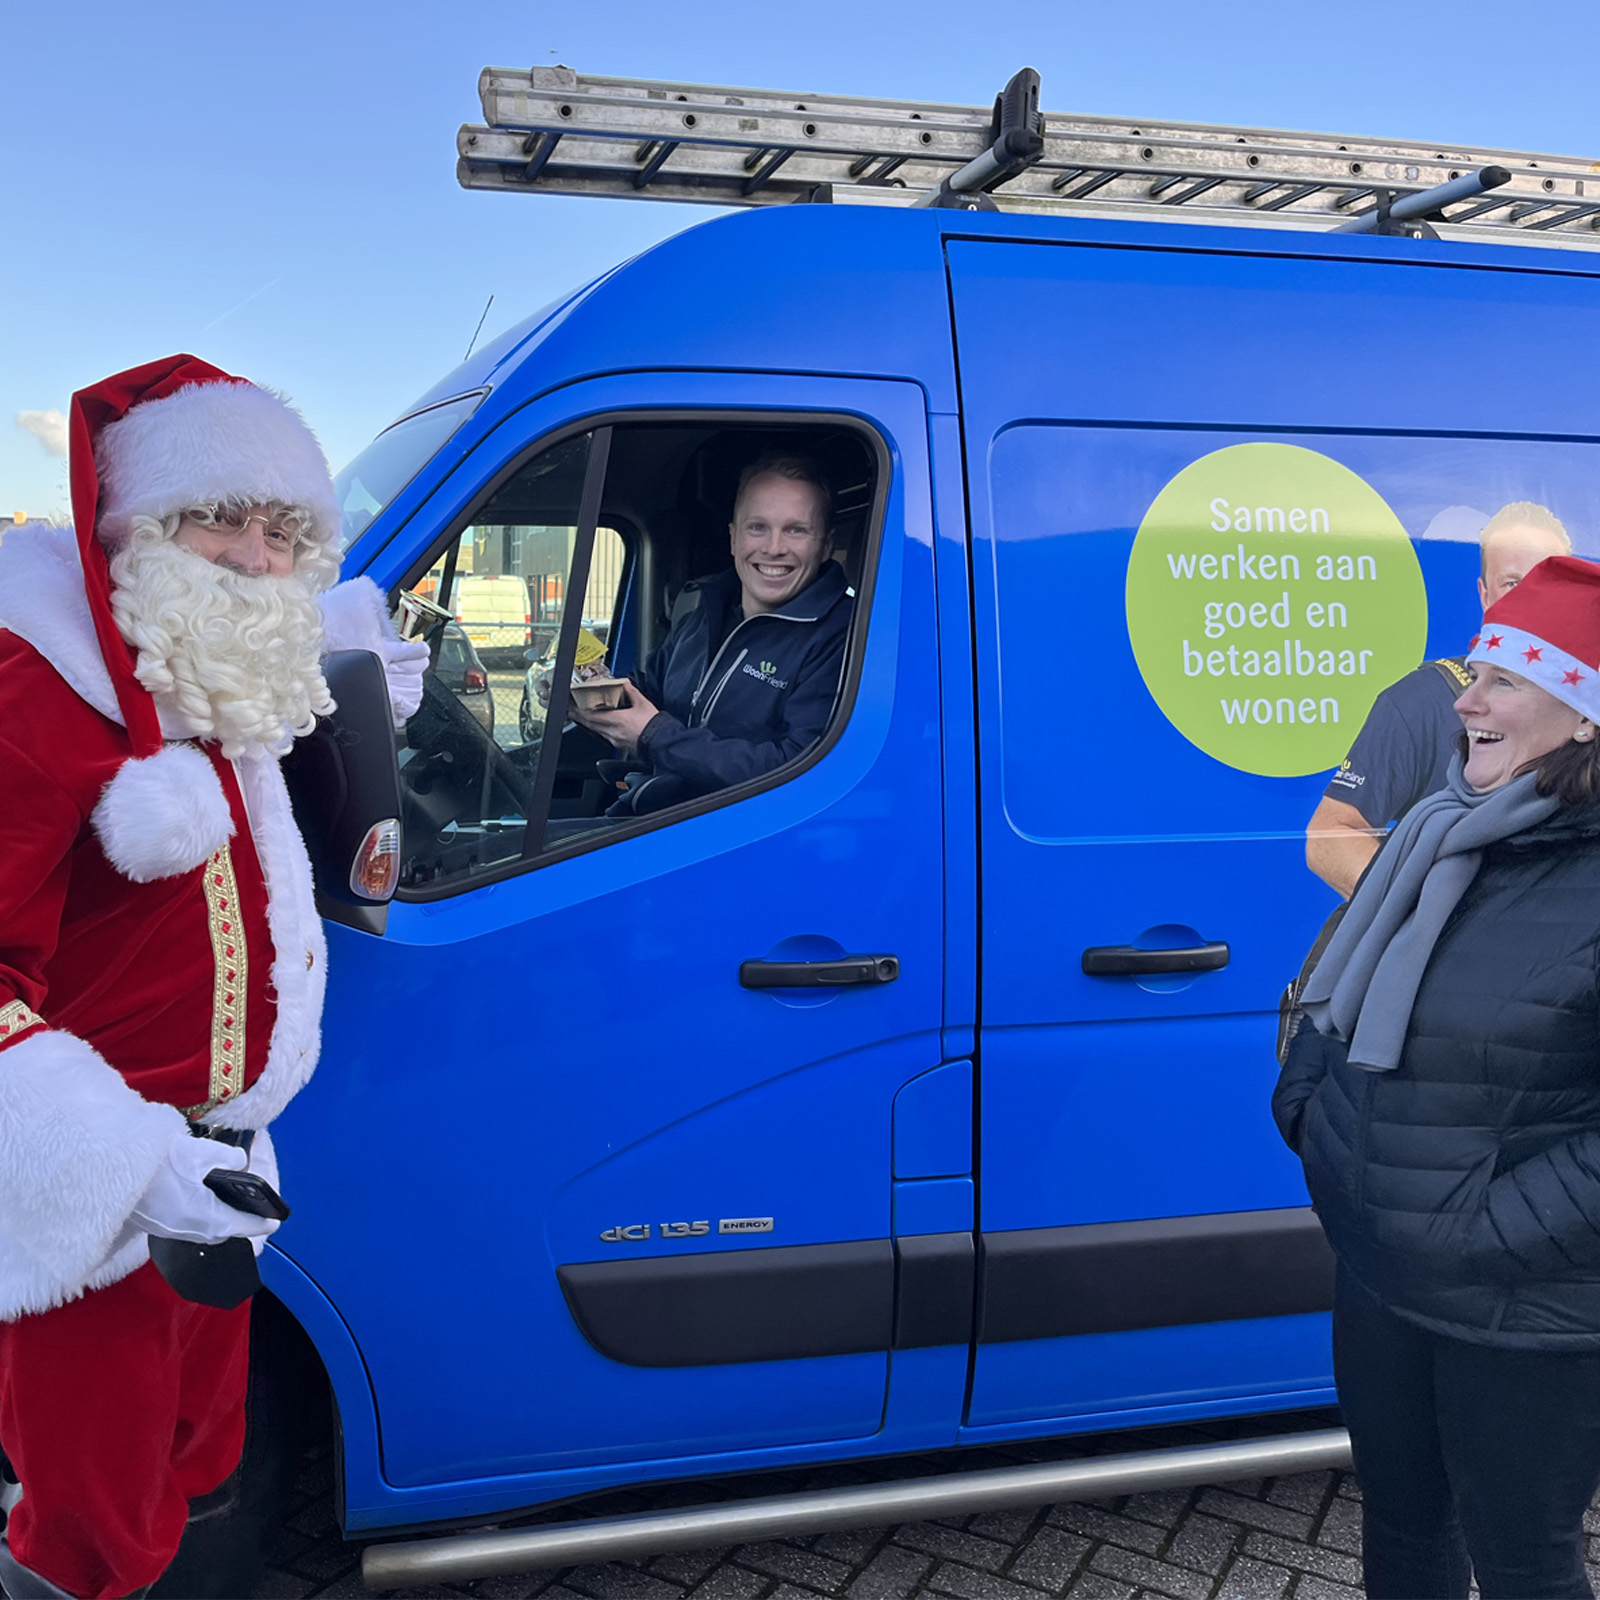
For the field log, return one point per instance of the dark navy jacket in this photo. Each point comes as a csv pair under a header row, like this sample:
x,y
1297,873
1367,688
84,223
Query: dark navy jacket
x,y
736,707
1463,1188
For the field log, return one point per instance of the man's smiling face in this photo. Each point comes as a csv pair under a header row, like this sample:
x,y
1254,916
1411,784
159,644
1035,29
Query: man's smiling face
x,y
779,541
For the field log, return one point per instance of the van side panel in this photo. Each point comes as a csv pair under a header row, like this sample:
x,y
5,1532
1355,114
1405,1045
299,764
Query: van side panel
x,y
1212,338
1092,378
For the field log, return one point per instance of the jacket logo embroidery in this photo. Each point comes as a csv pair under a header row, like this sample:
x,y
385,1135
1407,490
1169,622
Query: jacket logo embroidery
x,y
764,674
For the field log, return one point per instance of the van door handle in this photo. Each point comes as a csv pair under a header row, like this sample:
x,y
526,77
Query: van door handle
x,y
1124,961
837,973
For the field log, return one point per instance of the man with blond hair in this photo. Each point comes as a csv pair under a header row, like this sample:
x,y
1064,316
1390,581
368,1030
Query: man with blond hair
x,y
747,676
1404,748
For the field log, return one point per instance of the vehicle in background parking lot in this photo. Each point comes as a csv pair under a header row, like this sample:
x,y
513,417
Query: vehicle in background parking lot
x,y
459,668
494,610
530,712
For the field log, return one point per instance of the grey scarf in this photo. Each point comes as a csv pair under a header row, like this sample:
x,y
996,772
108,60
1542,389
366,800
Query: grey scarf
x,y
1366,983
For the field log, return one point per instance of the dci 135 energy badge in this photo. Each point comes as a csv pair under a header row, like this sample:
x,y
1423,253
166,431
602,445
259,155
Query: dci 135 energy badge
x,y
638,1232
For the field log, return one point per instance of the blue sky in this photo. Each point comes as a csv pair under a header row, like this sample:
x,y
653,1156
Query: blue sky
x,y
272,186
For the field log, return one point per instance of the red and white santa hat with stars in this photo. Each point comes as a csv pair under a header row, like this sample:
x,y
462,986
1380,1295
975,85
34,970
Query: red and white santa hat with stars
x,y
1548,630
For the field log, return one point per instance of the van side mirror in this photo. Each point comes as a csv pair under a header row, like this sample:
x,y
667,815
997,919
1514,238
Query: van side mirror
x,y
344,783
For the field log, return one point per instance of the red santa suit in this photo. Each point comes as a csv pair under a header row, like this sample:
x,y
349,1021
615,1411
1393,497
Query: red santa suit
x,y
161,962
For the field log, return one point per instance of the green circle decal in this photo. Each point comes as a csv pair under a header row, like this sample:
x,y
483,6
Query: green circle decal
x,y
1272,595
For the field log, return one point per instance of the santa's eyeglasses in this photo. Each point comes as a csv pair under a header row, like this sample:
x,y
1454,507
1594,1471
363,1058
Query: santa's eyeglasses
x,y
283,530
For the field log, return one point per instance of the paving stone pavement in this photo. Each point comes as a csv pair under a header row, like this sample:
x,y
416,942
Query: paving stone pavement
x,y
1287,1538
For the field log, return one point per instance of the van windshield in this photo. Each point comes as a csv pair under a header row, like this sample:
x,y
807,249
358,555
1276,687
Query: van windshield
x,y
392,460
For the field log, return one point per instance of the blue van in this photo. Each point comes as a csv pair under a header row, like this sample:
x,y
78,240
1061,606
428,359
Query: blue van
x,y
914,1094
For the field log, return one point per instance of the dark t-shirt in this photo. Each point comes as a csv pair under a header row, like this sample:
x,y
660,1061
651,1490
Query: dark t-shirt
x,y
1404,748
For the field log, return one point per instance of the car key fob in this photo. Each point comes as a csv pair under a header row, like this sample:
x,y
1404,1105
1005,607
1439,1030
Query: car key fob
x,y
246,1191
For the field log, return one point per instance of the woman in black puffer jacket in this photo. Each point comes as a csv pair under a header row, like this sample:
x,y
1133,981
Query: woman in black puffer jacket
x,y
1444,1094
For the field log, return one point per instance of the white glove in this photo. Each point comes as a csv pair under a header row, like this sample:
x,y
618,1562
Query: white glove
x,y
355,617
404,662
177,1205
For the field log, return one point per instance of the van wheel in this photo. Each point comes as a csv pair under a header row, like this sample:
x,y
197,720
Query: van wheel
x,y
526,726
288,1412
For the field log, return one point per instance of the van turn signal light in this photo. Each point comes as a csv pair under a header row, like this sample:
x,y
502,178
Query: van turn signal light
x,y
376,870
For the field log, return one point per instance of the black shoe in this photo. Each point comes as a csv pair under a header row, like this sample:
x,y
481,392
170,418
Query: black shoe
x,y
221,1553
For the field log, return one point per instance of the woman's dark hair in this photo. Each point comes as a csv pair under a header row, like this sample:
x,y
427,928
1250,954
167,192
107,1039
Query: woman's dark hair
x,y
1571,772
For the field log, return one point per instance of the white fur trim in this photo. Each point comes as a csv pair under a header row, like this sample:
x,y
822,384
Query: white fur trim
x,y
296,934
164,815
355,617
42,600
77,1149
212,441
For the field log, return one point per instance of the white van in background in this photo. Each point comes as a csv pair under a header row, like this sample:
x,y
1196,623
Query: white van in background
x,y
494,610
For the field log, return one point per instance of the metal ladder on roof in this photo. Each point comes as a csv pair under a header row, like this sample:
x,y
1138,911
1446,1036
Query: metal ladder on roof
x,y
550,130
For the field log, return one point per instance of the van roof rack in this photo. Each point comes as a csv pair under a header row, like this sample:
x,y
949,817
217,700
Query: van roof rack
x,y
551,130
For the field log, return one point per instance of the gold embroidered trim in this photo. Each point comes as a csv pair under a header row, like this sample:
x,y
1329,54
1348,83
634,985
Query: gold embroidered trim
x,y
15,1017
228,990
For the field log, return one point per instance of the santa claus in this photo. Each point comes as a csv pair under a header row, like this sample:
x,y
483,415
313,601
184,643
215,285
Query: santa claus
x,y
161,959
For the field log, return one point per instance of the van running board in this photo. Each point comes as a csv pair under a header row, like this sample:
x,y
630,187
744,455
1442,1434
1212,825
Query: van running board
x,y
495,1553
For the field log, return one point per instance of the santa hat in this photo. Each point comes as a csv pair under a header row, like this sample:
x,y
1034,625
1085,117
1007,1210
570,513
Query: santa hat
x,y
162,438
1547,629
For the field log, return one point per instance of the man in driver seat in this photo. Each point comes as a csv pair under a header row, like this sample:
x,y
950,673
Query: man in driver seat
x,y
746,678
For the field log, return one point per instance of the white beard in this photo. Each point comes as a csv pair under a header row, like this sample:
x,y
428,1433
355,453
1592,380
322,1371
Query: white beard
x,y
237,657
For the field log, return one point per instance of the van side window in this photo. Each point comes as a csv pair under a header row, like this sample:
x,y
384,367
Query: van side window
x,y
708,638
